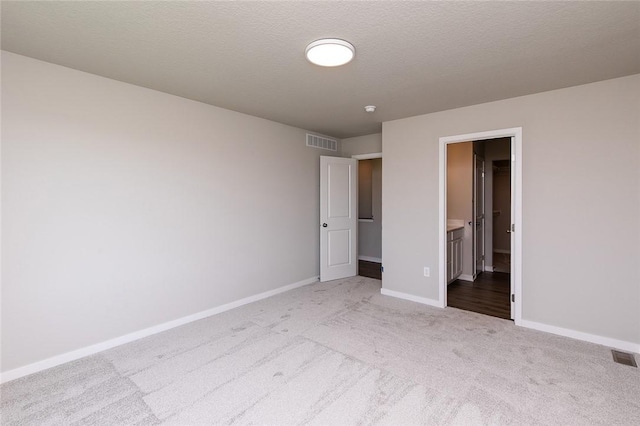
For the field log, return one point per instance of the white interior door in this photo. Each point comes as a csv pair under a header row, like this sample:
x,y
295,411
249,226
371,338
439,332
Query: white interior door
x,y
512,275
338,218
478,214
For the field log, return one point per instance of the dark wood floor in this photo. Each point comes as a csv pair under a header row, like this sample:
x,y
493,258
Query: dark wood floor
x,y
370,269
488,294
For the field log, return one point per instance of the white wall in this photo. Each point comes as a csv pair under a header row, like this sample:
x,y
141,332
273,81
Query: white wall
x,y
581,202
123,208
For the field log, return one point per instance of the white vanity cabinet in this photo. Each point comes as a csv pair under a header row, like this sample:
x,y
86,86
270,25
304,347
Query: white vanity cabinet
x,y
454,254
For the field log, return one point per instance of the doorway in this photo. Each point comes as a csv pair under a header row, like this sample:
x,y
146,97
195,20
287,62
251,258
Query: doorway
x,y
476,197
370,215
470,237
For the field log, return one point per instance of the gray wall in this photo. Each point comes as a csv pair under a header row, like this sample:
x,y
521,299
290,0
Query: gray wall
x,y
367,144
123,208
581,202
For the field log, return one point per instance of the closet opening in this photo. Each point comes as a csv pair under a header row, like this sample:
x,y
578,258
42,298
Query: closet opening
x,y
370,215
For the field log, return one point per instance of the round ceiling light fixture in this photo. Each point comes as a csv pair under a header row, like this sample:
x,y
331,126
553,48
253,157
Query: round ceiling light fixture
x,y
330,52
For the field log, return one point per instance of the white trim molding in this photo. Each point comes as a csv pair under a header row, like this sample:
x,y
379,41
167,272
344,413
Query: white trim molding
x,y
370,259
136,335
579,335
411,297
466,277
516,134
488,268
367,156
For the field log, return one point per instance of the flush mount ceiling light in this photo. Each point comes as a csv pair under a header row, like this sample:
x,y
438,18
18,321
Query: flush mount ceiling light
x,y
330,52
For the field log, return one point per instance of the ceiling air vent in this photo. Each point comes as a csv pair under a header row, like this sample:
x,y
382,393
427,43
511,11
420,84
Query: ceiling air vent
x,y
322,143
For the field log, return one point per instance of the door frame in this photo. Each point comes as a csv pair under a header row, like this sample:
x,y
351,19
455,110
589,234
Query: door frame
x,y
367,156
515,133
476,198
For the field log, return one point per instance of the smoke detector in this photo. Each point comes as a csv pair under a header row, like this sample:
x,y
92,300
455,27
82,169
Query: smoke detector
x,y
370,108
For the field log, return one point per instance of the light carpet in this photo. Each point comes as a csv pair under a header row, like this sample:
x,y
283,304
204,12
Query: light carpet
x,y
335,353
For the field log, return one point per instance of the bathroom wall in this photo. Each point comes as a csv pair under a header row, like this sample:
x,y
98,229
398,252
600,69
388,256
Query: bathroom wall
x,y
494,149
502,208
460,197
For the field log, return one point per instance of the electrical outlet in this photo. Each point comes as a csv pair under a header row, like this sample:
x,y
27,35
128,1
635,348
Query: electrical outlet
x,y
427,272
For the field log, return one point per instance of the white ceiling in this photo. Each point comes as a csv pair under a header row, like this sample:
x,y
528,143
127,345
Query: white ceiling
x,y
411,57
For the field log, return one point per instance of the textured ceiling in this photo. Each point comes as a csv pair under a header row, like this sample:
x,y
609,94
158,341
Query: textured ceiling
x,y
411,57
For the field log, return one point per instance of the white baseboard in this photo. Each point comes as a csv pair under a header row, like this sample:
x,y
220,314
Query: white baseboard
x,y
136,335
411,297
488,268
370,259
465,277
502,251
579,335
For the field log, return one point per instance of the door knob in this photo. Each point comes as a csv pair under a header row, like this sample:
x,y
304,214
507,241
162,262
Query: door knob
x,y
508,231
324,225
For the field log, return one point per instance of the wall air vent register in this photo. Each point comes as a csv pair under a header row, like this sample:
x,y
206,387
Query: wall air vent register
x,y
322,143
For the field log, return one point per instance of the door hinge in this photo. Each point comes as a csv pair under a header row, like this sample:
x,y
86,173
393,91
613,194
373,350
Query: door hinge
x,y
381,268
513,227
513,298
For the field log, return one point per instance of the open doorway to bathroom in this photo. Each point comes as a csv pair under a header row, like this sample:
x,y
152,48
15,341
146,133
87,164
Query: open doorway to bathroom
x,y
370,215
478,226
